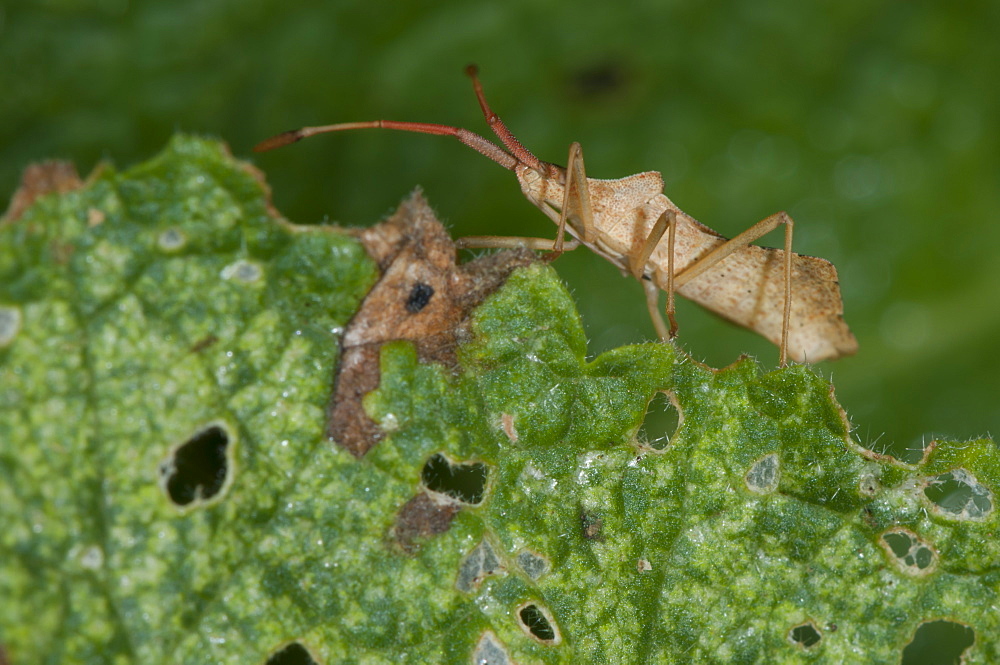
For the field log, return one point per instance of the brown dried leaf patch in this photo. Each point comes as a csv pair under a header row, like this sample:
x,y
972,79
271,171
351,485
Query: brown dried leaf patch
x,y
48,177
425,515
422,296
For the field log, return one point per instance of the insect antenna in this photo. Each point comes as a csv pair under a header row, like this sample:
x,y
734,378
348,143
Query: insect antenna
x,y
475,141
499,128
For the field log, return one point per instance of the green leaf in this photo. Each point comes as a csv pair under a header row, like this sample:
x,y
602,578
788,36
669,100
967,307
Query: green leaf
x,y
167,351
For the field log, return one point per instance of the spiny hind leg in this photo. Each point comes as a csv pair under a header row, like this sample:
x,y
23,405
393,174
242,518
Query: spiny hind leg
x,y
739,242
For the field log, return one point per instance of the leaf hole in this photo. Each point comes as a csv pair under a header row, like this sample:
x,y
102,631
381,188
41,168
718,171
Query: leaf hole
x,y
912,555
536,621
197,469
806,635
463,481
292,654
663,417
959,495
899,543
939,642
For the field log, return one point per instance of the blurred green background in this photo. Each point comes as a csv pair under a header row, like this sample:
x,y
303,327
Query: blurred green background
x,y
873,123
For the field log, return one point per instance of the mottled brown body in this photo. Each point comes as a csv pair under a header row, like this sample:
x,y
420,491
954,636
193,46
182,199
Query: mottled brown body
x,y
746,287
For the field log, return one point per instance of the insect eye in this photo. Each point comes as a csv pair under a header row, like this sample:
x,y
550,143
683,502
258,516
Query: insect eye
x,y
419,296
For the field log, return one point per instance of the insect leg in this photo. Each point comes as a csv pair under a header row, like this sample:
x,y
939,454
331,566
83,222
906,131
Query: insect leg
x,y
576,175
511,242
671,235
638,260
653,305
739,242
665,223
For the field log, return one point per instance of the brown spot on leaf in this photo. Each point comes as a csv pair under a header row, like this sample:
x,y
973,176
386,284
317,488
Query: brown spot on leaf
x,y
349,425
423,516
203,343
52,176
592,526
507,424
61,252
95,217
422,296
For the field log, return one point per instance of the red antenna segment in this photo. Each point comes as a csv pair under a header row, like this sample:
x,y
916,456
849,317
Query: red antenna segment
x,y
520,155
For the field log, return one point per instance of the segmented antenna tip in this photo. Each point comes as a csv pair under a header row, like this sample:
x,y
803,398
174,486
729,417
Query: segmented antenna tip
x,y
279,140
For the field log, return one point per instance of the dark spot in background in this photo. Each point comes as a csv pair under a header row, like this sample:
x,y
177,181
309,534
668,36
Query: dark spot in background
x,y
598,80
419,296
198,468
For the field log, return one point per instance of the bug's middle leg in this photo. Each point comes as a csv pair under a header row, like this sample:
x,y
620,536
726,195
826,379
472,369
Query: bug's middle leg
x,y
636,263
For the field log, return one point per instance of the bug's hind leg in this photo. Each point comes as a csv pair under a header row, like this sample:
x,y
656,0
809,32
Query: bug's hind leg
x,y
739,242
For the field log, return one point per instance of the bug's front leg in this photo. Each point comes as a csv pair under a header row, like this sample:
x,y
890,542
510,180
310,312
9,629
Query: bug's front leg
x,y
512,242
576,191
